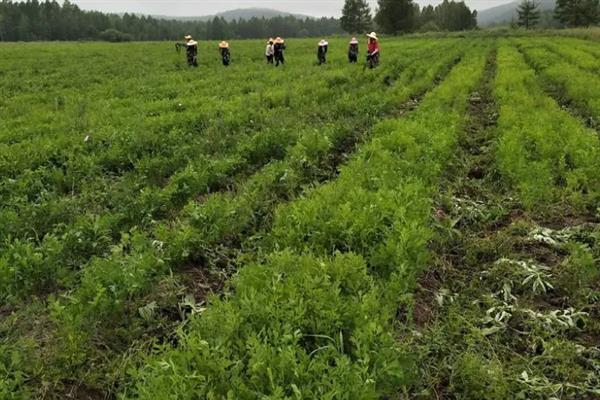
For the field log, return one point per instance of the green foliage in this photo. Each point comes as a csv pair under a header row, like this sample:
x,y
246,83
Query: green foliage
x,y
297,327
132,190
50,20
115,36
578,12
12,379
473,377
317,325
396,16
546,153
528,14
356,16
575,82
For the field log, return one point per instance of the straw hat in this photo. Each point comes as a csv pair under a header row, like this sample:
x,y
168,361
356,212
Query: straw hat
x,y
270,41
188,37
223,45
323,42
372,35
354,41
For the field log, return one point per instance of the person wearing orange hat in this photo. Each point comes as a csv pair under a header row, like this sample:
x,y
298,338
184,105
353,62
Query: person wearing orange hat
x,y
353,51
322,51
373,50
278,48
191,50
225,54
269,52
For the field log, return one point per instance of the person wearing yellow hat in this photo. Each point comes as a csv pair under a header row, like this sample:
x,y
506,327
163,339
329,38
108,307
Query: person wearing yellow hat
x,y
269,52
191,50
322,51
373,50
278,48
353,51
225,54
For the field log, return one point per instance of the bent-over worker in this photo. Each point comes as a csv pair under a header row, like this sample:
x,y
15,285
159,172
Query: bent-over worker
x,y
322,51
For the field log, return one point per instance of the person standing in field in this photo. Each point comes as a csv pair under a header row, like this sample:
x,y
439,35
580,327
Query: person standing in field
x,y
322,51
373,50
225,54
191,50
269,52
278,48
353,51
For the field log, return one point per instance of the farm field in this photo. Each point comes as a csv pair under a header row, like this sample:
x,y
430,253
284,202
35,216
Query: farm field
x,y
429,229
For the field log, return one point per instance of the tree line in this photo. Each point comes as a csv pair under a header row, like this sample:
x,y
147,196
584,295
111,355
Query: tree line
x,y
50,20
402,16
569,13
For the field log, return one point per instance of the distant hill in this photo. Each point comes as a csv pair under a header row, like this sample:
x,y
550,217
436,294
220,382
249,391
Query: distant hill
x,y
243,13
247,13
506,12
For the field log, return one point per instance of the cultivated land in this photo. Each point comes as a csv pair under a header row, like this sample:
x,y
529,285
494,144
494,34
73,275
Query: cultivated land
x,y
428,229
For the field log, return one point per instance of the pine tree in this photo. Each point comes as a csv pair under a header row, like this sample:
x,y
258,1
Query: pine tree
x,y
529,14
396,16
356,16
578,12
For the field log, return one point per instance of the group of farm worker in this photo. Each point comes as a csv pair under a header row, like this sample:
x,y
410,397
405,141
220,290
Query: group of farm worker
x,y
191,50
276,47
372,51
274,51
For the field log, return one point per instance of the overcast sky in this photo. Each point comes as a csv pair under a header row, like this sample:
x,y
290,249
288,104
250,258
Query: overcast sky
x,y
208,7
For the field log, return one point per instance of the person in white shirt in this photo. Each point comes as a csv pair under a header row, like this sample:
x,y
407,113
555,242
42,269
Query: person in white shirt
x,y
270,51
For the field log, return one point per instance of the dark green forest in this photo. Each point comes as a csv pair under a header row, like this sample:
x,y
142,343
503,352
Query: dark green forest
x,y
50,20
34,20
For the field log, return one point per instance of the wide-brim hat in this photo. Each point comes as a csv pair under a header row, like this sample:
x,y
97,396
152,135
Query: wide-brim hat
x,y
188,37
372,35
323,43
270,40
223,45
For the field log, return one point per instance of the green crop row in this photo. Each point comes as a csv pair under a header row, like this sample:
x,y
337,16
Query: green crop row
x,y
576,52
203,231
544,152
27,267
320,325
105,292
569,79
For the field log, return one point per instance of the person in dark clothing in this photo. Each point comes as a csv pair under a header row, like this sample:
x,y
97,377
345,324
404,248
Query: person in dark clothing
x,y
278,48
322,51
225,54
191,50
353,51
